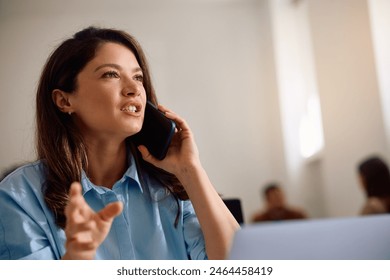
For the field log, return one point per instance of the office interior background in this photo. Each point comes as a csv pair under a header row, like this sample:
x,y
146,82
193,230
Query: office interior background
x,y
293,91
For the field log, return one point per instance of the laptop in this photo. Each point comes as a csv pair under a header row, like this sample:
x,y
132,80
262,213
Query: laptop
x,y
350,238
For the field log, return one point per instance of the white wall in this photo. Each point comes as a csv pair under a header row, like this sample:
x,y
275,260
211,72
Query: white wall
x,y
211,62
379,11
339,50
296,77
347,82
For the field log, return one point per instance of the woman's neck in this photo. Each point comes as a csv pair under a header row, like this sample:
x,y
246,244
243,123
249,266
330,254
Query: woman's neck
x,y
107,163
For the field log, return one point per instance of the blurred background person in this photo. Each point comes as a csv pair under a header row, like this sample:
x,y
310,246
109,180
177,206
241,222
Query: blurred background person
x,y
276,208
374,177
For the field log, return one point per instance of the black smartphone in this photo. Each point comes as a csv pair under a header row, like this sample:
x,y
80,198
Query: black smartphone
x,y
156,133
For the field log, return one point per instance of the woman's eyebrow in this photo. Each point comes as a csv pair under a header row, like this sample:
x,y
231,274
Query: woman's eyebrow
x,y
116,66
113,65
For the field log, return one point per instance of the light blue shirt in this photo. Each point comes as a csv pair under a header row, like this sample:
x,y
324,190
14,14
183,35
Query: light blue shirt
x,y
144,230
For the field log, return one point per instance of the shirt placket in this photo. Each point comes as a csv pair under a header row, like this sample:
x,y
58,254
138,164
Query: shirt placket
x,y
121,230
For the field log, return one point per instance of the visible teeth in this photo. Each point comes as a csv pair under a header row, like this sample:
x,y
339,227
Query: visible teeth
x,y
131,108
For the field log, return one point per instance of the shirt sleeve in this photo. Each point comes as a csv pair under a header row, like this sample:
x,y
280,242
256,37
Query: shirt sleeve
x,y
26,225
193,234
21,236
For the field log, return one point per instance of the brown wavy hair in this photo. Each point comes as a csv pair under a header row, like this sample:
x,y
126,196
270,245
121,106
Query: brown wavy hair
x,y
60,145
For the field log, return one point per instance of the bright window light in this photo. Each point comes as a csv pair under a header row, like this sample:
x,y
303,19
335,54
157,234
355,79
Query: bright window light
x,y
310,131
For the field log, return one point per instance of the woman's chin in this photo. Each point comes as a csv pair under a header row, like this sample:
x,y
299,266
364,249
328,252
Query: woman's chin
x,y
134,131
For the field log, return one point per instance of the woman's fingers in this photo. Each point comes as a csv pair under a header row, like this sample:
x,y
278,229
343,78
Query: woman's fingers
x,y
85,229
74,228
146,155
77,209
110,211
180,122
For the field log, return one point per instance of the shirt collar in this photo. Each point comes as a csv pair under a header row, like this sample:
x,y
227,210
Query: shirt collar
x,y
131,173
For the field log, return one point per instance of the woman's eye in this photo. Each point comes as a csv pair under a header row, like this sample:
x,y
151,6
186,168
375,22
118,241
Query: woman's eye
x,y
110,74
139,78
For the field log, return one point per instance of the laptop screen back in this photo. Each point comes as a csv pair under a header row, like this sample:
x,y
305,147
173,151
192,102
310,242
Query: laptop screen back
x,y
327,239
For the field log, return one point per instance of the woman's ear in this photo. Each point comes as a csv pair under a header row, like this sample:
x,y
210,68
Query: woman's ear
x,y
61,99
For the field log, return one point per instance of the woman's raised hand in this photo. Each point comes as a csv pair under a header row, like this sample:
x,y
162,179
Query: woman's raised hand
x,y
86,229
182,151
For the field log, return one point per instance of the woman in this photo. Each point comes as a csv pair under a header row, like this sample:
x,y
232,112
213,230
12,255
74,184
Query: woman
x,y
374,176
93,194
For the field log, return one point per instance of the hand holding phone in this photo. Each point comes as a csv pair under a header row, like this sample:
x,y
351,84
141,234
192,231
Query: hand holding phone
x,y
156,133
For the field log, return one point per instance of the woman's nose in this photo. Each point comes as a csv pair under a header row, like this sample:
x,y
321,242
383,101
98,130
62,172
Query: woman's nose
x,y
132,88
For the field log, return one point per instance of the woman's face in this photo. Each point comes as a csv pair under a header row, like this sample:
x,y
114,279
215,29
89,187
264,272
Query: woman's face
x,y
109,100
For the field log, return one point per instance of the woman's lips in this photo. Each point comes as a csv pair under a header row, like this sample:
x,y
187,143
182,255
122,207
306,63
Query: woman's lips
x,y
131,108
